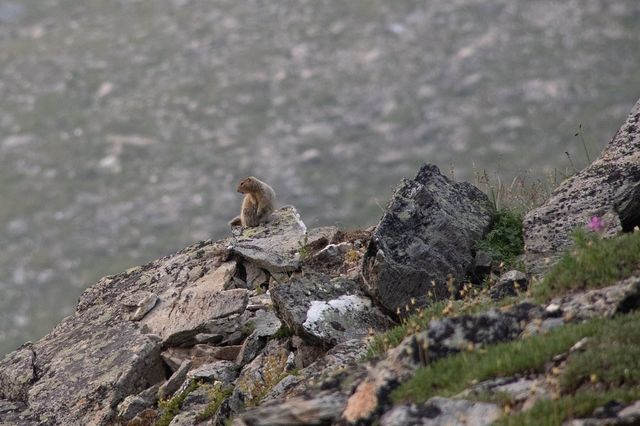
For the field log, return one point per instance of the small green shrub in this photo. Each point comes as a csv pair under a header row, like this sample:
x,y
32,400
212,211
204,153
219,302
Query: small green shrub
x,y
171,407
592,263
505,241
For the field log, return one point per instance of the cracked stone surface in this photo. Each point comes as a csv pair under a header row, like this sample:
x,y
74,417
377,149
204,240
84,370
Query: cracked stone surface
x,y
608,188
427,234
327,311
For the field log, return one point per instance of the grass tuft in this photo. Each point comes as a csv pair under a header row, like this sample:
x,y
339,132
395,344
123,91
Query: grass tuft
x,y
592,263
580,405
605,359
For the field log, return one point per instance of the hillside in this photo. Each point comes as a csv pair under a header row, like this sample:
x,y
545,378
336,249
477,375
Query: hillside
x,y
413,321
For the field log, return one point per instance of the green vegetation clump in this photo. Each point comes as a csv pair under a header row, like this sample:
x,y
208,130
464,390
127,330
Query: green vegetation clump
x,y
217,394
505,241
605,370
582,404
283,332
171,407
451,375
593,262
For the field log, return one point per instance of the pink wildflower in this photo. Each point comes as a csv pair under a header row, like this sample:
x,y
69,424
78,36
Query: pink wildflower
x,y
596,224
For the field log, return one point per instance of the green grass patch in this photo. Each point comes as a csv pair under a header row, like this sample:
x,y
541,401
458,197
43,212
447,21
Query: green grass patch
x,y
555,413
592,263
171,407
610,360
216,394
605,358
505,241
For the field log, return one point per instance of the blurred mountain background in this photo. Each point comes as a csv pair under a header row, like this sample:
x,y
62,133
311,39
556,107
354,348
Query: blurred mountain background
x,y
125,124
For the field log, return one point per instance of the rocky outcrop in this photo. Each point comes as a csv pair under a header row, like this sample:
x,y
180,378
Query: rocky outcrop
x,y
609,188
228,330
150,326
327,311
425,238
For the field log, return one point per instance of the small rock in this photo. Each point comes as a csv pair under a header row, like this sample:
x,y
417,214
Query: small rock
x,y
136,404
333,253
228,353
266,323
223,371
630,412
252,345
296,411
179,320
274,247
481,265
193,404
442,411
203,338
608,410
553,309
256,276
229,408
144,306
509,284
327,311
174,382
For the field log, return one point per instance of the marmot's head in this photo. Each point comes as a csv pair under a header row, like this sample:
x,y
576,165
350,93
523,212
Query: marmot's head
x,y
247,185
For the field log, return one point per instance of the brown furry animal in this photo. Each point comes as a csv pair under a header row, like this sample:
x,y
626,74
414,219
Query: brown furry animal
x,y
258,204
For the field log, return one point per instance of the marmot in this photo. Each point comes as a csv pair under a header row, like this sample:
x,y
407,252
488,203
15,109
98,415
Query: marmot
x,y
258,204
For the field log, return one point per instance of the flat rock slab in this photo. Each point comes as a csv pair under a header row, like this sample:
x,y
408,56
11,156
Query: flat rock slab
x,y
443,412
178,318
622,297
266,323
327,311
609,188
223,371
276,245
295,411
426,235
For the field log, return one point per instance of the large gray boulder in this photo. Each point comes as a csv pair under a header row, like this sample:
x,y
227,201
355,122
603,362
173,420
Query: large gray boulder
x,y
608,188
427,234
327,311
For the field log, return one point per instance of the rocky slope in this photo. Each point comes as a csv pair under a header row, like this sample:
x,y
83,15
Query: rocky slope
x,y
271,325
